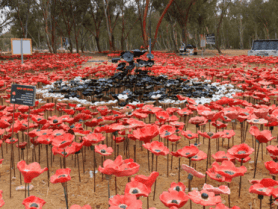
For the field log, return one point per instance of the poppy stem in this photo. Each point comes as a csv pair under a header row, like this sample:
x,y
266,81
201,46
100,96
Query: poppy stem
x,y
28,191
65,192
156,179
172,157
229,197
134,147
149,160
116,185
179,169
152,160
240,179
261,203
148,206
167,159
78,168
94,171
46,149
256,160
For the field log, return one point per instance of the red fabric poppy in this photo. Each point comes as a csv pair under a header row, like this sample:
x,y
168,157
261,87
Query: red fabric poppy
x,y
1,199
63,141
189,135
103,149
162,116
157,148
79,207
187,151
61,176
174,138
147,180
174,198
125,201
241,151
33,202
147,133
4,124
127,168
184,112
204,198
118,139
93,138
222,206
38,119
260,189
30,171
210,135
192,171
214,175
220,156
137,188
217,190
227,134
45,139
219,124
261,136
21,145
199,156
166,131
177,187
272,167
198,120
92,123
228,170
272,149
11,141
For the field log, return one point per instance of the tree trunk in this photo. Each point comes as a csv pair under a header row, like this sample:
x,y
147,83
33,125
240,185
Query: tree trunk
x,y
107,24
145,36
173,34
97,42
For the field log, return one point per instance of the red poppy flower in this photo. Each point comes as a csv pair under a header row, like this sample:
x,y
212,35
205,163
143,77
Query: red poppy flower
x,y
162,116
174,198
147,180
273,151
11,140
184,112
45,139
166,131
1,199
187,151
217,190
261,136
177,187
219,124
92,123
61,176
222,206
198,120
210,135
103,149
241,151
79,207
199,156
58,133
214,175
38,119
118,139
93,138
260,189
137,188
227,134
272,167
147,133
62,141
220,156
127,168
30,171
189,135
174,138
125,201
33,202
228,170
192,171
204,198
156,148
4,124
22,145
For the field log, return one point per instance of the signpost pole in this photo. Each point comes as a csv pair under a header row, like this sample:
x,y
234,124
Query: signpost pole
x,y
21,43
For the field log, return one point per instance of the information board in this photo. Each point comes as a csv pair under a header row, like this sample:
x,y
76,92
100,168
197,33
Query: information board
x,y
210,38
16,46
23,95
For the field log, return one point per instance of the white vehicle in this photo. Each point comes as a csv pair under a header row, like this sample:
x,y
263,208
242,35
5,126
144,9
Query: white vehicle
x,y
264,48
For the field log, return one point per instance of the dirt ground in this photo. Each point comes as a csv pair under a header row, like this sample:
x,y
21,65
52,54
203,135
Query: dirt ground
x,y
82,193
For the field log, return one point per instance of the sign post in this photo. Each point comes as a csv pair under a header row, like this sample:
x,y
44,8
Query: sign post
x,y
203,42
210,39
22,95
21,47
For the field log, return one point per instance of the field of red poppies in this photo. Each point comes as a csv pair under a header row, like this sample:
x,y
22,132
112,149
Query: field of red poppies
x,y
217,151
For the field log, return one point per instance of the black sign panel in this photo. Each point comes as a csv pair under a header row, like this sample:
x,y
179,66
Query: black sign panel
x,y
23,95
265,45
210,38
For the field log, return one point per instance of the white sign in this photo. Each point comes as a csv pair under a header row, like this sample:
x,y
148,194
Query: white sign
x,y
16,46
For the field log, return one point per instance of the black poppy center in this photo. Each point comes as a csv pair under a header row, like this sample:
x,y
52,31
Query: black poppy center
x,y
123,206
55,121
210,134
224,157
184,112
135,191
44,133
157,150
167,133
34,205
178,188
39,119
62,176
38,130
256,120
63,142
227,133
174,201
218,176
58,134
103,151
189,135
161,117
187,153
204,195
241,152
229,172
